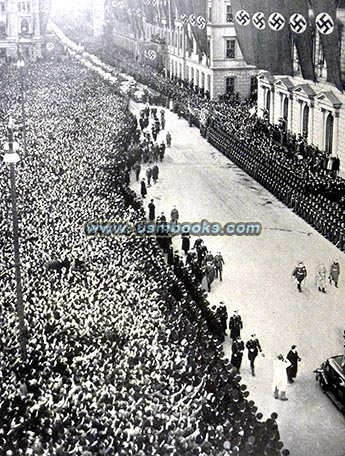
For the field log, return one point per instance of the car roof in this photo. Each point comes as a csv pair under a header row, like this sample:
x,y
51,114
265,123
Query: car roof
x,y
335,362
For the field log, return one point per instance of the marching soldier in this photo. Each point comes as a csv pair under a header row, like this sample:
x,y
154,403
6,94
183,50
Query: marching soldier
x,y
237,353
235,325
253,346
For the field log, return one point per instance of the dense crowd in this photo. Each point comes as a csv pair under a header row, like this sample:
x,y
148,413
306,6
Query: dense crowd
x,y
122,359
300,175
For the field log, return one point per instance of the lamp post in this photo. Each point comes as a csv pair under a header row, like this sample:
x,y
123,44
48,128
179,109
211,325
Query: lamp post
x,y
11,158
20,66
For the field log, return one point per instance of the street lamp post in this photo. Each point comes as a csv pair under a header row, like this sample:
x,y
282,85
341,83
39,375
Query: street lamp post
x,y
20,66
11,158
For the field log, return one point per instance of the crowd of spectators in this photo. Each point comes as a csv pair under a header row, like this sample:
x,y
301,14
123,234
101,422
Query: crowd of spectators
x,y
121,357
300,175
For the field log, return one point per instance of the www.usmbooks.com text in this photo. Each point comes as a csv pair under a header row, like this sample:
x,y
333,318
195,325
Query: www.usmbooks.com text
x,y
203,228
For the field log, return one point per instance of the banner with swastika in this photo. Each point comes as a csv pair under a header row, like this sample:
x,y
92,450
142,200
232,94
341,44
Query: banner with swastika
x,y
298,12
326,24
200,11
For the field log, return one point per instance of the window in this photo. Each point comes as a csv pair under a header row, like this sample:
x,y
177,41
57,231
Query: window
x,y
230,49
2,28
230,86
329,134
180,40
2,7
24,27
305,121
210,14
28,6
19,6
229,16
253,85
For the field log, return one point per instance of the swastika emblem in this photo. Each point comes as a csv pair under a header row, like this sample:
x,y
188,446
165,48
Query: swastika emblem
x,y
192,19
276,22
184,19
242,17
50,46
151,54
146,2
44,8
259,20
298,23
139,12
324,23
201,22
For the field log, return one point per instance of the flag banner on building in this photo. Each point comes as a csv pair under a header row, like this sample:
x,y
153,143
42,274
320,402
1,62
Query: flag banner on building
x,y
200,24
182,16
44,13
326,25
167,12
246,33
134,11
171,13
264,26
298,12
267,29
156,11
148,11
189,17
150,53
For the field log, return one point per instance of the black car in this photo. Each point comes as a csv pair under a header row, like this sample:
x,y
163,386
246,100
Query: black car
x,y
331,377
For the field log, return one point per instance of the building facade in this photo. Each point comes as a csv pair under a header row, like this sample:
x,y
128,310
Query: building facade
x,y
224,72
315,110
20,29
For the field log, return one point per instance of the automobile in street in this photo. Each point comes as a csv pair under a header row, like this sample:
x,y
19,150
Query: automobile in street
x,y
331,378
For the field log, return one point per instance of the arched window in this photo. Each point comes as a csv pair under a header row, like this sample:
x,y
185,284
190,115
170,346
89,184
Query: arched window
x,y
329,134
268,101
305,121
24,26
286,108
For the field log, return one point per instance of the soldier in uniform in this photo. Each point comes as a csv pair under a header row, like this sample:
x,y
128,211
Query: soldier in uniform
x,y
218,262
235,325
300,273
223,313
237,353
253,346
334,273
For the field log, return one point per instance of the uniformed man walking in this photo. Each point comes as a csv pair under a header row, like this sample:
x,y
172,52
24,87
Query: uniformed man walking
x,y
253,346
235,325
237,353
300,273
